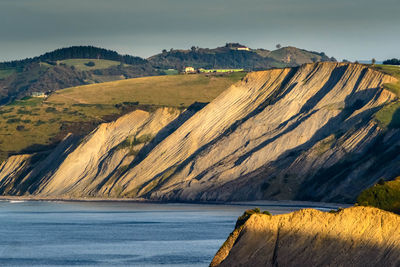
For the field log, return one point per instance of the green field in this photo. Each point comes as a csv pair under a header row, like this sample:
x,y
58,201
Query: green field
x,y
394,71
171,90
389,115
171,72
79,63
220,70
37,121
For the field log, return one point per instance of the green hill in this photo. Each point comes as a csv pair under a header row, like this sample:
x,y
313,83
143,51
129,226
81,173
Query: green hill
x,y
75,52
81,65
383,195
234,55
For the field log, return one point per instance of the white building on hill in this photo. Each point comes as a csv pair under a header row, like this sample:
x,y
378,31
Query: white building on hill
x,y
189,70
243,48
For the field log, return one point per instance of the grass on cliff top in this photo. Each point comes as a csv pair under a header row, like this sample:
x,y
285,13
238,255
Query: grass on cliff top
x,y
247,214
33,123
383,195
393,71
389,115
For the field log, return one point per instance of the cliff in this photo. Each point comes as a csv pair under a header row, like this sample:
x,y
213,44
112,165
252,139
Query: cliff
x,y
356,236
295,133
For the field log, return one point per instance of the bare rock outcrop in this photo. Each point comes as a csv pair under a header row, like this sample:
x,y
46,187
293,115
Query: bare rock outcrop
x,y
231,149
357,236
304,133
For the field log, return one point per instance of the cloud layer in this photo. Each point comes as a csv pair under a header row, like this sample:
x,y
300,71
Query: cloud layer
x,y
357,29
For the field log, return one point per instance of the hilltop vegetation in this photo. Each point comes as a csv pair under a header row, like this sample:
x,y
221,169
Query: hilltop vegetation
x,y
393,61
33,124
393,71
67,67
384,195
75,52
230,56
80,65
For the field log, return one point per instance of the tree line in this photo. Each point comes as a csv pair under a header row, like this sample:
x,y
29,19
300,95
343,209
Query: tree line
x,y
393,61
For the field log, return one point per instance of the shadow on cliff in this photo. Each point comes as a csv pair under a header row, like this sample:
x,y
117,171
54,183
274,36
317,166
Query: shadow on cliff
x,y
337,125
158,138
314,188
395,121
39,169
354,101
277,95
297,248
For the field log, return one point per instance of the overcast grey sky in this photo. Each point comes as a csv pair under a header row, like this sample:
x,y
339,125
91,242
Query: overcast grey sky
x,y
351,29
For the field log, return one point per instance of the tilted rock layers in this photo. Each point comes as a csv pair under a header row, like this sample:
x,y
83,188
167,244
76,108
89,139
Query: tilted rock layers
x,y
357,236
294,133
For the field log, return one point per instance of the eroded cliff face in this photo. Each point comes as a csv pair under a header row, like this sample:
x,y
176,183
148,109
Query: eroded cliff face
x,y
78,168
294,133
357,236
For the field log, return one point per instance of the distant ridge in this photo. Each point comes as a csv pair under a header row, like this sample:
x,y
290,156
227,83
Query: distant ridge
x,y
235,55
51,72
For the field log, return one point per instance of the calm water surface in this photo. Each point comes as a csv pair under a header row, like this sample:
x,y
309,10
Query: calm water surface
x,y
121,234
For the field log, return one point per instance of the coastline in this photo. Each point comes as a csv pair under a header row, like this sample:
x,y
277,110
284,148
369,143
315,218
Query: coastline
x,y
256,203
71,199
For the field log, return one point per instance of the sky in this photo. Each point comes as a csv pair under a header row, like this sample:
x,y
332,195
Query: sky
x,y
345,29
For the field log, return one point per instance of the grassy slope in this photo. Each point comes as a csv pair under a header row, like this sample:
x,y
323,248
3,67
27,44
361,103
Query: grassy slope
x,y
389,116
384,195
80,63
173,90
39,120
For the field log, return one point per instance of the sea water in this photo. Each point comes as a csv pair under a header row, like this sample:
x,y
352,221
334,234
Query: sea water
x,y
35,233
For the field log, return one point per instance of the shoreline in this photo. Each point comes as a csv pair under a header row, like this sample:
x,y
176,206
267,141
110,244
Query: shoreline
x,y
258,203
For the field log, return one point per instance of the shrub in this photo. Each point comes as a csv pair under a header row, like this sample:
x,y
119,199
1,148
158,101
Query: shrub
x,y
51,110
90,64
23,111
142,139
5,111
39,122
14,120
266,212
383,195
247,214
53,120
20,127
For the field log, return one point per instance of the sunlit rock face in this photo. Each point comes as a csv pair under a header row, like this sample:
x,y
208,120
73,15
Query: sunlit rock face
x,y
295,133
357,236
